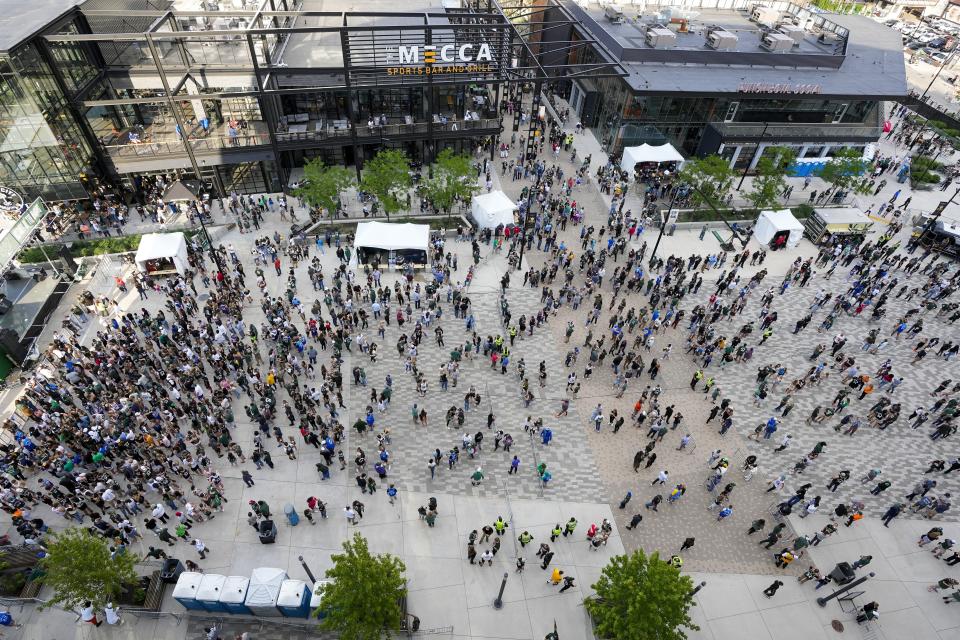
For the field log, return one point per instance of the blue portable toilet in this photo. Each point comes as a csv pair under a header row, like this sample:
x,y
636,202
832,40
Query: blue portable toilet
x,y
208,593
186,590
292,516
294,599
264,590
234,593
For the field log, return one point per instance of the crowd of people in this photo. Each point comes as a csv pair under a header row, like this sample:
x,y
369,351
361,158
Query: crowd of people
x,y
127,434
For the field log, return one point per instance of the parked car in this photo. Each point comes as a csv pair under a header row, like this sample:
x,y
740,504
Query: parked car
x,y
938,58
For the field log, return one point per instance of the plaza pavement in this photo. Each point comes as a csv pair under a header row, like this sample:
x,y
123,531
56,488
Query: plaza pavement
x,y
591,473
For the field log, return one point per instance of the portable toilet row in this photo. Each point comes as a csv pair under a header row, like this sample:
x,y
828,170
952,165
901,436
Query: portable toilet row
x,y
268,592
212,592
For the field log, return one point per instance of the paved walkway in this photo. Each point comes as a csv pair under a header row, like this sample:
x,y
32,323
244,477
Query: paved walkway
x,y
591,474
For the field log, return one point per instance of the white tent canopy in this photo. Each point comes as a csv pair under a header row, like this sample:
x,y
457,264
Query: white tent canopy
x,y
843,215
384,235
649,153
160,246
493,209
771,223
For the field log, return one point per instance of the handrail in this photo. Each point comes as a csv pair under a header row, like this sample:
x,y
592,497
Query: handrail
x,y
174,146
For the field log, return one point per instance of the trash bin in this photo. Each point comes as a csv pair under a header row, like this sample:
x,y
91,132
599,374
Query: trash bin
x,y
268,532
292,516
171,570
843,573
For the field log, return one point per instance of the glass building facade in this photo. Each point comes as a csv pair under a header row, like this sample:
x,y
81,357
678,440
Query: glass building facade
x,y
44,151
699,125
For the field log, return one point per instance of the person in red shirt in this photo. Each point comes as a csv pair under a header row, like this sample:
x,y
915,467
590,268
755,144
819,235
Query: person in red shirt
x,y
276,265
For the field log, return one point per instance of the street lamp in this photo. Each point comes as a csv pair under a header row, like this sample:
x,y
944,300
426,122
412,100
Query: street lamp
x,y
663,225
306,568
945,63
498,603
824,600
754,156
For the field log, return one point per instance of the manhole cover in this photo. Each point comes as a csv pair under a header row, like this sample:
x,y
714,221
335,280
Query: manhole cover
x,y
837,626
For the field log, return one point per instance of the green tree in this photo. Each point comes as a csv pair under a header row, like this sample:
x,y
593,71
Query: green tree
x,y
78,567
323,185
453,180
770,177
711,178
387,177
641,598
361,600
844,171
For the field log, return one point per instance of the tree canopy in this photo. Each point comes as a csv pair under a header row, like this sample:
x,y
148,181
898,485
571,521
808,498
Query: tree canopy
x,y
641,598
361,601
771,177
452,180
79,567
711,178
323,185
387,177
844,171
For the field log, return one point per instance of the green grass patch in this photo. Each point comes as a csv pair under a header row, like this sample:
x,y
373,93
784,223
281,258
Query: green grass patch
x,y
82,248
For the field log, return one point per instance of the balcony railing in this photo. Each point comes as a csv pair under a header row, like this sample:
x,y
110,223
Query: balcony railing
x,y
319,131
313,131
153,148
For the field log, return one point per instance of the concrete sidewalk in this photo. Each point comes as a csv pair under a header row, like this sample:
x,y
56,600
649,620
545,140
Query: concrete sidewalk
x,y
734,606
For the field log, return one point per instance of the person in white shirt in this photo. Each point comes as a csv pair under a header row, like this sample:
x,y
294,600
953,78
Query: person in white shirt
x,y
112,614
87,614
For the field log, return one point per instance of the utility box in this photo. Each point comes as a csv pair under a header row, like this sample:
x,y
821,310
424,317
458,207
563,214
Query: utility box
x,y
721,40
614,14
776,42
793,31
767,16
660,37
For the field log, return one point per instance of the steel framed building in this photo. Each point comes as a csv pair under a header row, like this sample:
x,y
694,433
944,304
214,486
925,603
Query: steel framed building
x,y
242,95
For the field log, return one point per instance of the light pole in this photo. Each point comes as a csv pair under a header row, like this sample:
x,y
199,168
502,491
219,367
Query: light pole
x,y
754,156
536,125
663,224
924,94
824,600
306,568
498,603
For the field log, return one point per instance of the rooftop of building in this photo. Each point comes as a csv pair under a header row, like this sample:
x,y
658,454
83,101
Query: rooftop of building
x,y
631,34
865,60
21,20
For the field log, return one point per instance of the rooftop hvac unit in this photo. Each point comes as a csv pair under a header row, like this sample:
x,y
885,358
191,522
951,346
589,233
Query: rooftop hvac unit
x,y
793,31
721,40
776,42
765,15
829,38
614,14
660,37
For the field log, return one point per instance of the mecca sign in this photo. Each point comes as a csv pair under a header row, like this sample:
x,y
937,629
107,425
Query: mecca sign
x,y
11,202
448,58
